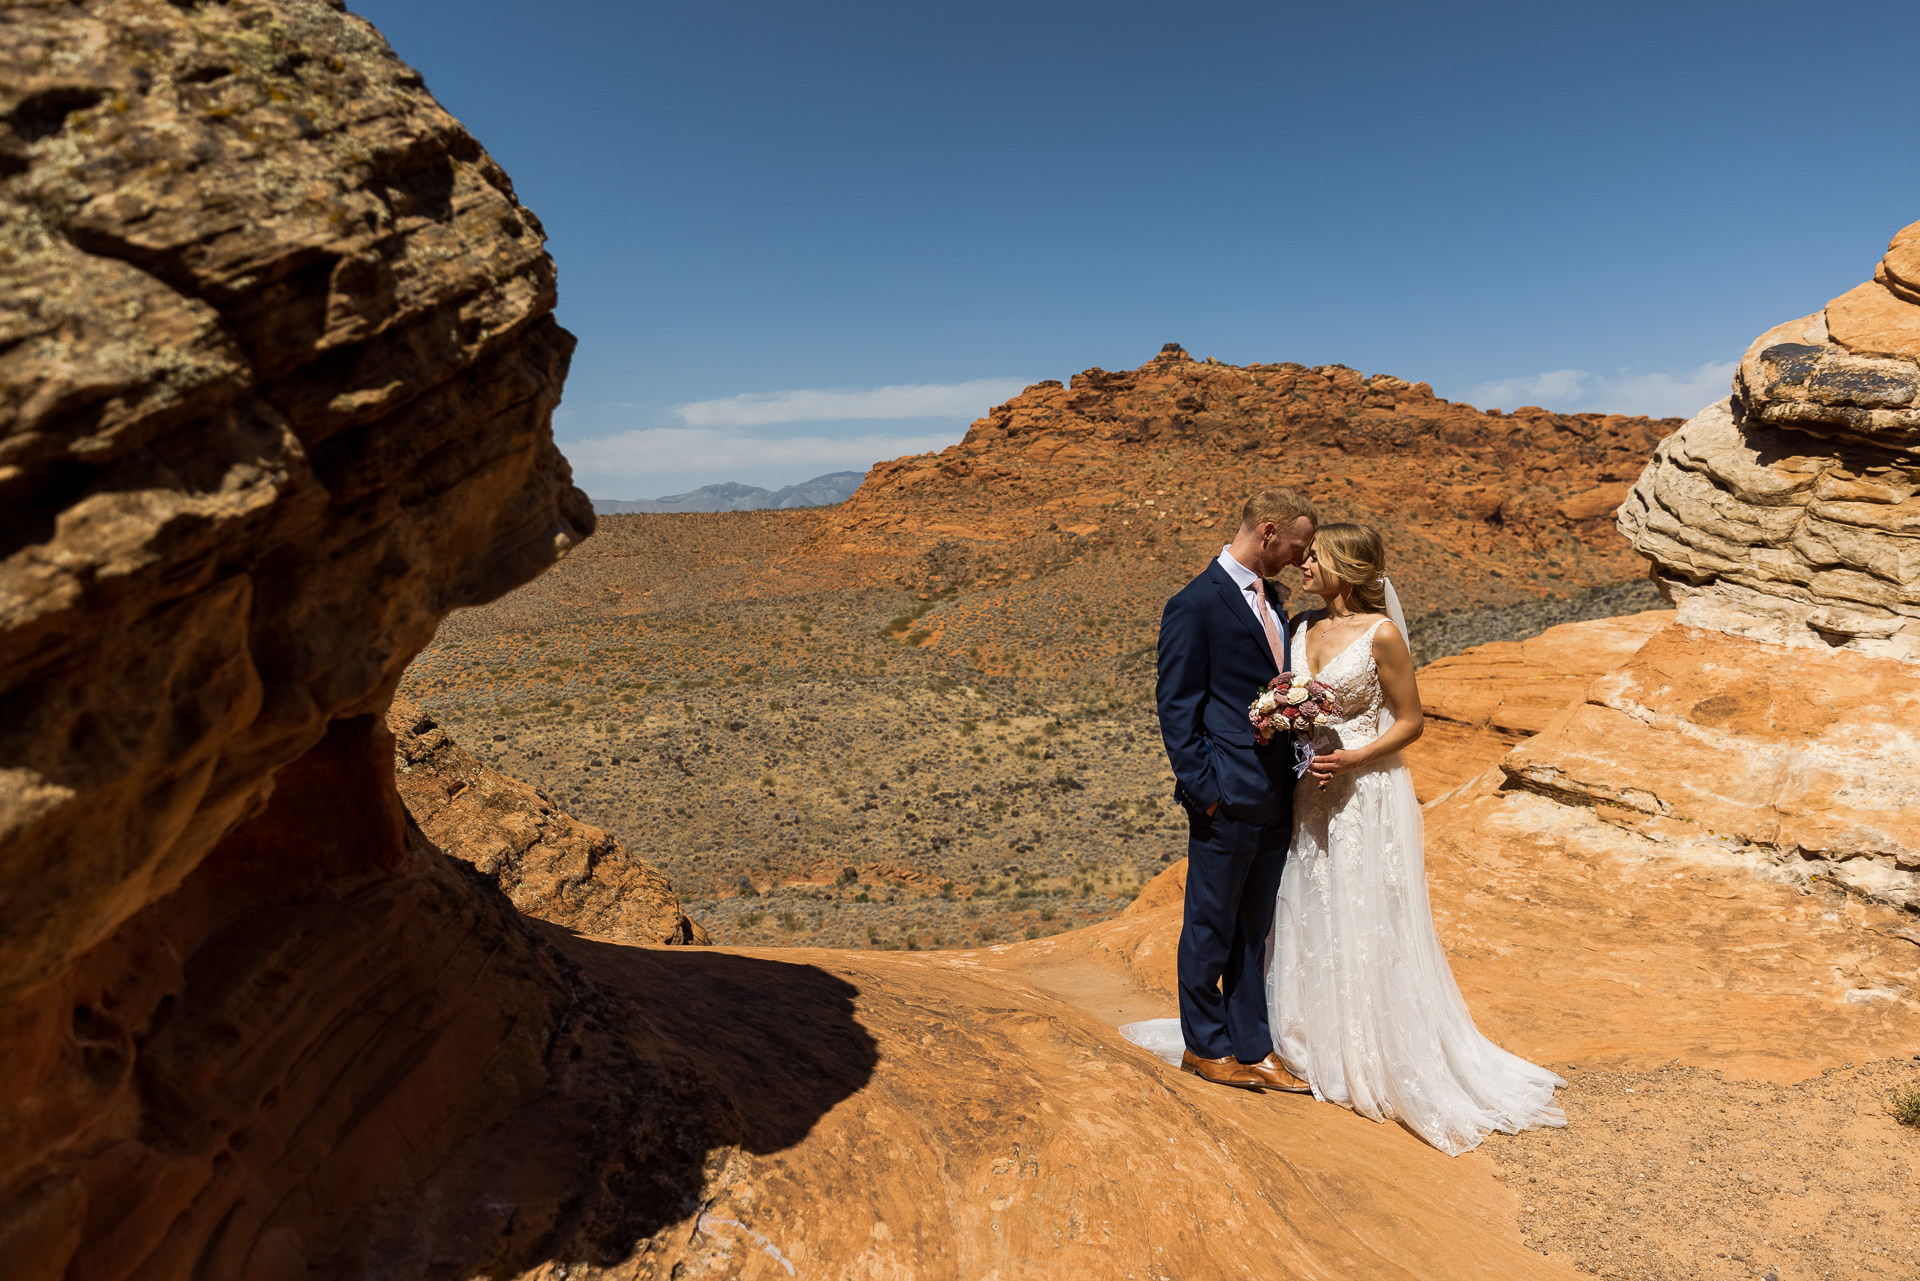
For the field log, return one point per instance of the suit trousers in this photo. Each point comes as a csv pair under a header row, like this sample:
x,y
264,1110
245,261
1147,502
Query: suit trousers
x,y
1233,886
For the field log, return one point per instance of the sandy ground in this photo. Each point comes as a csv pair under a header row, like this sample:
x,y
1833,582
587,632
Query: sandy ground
x,y
1731,1044
1685,1174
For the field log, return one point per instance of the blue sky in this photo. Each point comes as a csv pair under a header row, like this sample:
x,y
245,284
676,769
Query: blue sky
x,y
798,238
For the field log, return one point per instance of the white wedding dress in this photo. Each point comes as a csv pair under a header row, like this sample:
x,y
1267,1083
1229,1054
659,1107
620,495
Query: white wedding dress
x,y
1363,1003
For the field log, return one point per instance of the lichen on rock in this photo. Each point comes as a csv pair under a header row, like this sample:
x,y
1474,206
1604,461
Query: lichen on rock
x,y
277,371
275,384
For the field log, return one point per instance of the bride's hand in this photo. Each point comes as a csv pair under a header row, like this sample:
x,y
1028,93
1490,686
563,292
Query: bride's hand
x,y
1326,766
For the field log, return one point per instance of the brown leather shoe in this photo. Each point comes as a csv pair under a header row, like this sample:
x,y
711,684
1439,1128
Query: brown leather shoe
x,y
1273,1075
1227,1071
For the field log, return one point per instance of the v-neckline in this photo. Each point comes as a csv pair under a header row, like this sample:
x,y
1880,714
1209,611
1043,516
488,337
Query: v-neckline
x,y
1313,675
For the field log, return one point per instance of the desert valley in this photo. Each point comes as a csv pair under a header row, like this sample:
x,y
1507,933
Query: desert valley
x,y
924,717
410,875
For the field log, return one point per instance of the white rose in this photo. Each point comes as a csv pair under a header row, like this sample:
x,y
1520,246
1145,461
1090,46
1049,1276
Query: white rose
x,y
1297,695
1322,719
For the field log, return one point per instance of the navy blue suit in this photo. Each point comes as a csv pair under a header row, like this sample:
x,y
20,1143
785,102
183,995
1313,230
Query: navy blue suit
x,y
1214,659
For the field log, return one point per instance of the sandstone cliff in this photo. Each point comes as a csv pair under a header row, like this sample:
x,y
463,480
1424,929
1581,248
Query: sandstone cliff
x,y
1784,524
279,354
275,388
1787,513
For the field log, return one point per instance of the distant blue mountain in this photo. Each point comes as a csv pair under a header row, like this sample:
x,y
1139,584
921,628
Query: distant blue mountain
x,y
821,491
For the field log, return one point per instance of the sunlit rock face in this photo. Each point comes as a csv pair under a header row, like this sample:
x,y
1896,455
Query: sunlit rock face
x,y
277,371
277,368
1783,521
1788,512
550,864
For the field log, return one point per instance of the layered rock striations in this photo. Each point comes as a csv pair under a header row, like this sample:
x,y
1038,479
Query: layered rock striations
x,y
1772,723
277,368
1788,512
549,863
277,365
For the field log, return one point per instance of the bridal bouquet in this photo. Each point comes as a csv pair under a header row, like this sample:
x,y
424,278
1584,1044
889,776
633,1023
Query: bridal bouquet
x,y
1296,704
1290,702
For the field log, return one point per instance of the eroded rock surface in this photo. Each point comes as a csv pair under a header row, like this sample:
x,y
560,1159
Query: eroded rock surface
x,y
277,370
1785,524
1788,512
1802,760
549,863
1484,701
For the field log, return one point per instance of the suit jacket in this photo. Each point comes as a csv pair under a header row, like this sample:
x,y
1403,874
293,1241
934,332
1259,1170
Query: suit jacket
x,y
1214,660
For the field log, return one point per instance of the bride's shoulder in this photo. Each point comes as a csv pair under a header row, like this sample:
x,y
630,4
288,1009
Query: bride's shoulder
x,y
1386,637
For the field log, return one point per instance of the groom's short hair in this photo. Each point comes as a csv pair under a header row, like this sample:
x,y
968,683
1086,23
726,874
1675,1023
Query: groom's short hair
x,y
1282,506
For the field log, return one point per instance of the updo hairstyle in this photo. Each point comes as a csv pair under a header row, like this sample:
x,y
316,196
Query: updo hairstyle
x,y
1357,556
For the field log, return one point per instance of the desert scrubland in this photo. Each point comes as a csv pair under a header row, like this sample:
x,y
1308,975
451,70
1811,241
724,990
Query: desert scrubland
x,y
301,979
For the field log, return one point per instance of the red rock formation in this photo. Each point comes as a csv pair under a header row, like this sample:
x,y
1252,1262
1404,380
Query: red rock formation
x,y
1782,522
1480,508
1484,701
1788,512
280,349
549,863
275,391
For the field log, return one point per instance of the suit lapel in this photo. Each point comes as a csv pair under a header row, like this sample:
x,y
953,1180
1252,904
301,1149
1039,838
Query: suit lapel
x,y
1237,606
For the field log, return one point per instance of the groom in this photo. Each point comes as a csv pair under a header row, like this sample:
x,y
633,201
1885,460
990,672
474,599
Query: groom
x,y
1222,638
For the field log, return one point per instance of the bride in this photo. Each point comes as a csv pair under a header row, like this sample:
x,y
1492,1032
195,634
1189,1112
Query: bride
x,y
1362,1002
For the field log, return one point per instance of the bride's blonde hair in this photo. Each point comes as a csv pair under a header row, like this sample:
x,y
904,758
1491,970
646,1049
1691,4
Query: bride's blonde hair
x,y
1358,557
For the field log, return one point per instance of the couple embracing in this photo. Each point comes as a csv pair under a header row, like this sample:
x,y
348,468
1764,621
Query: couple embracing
x,y
1308,960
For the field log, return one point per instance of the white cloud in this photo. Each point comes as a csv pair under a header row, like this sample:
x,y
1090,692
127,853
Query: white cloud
x,y
1657,395
667,452
914,400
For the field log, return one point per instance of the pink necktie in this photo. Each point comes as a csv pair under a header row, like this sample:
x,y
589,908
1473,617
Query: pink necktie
x,y
1266,621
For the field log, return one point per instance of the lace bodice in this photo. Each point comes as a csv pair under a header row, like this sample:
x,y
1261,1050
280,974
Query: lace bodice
x,y
1361,998
1355,681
